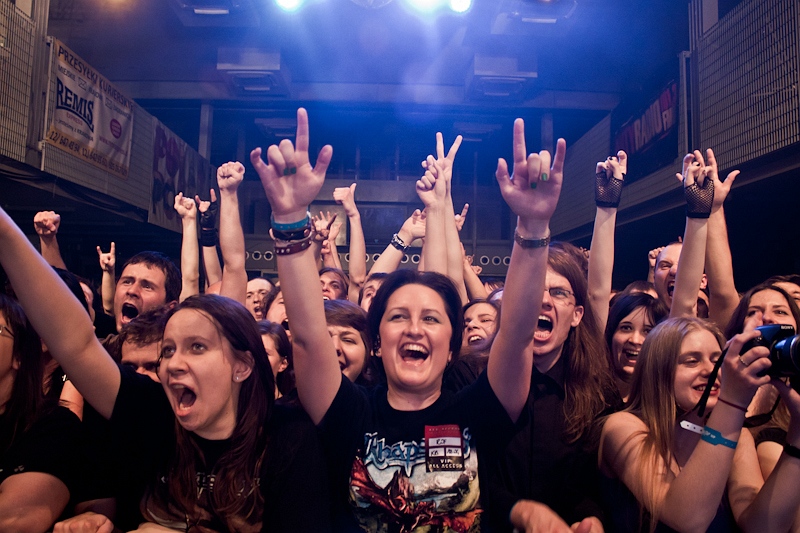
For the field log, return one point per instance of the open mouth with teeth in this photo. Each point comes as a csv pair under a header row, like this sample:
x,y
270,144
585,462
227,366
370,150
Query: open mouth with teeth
x,y
543,328
670,288
185,399
630,355
414,353
129,311
702,387
472,339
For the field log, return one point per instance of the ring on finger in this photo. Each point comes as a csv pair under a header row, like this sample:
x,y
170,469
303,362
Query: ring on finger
x,y
289,170
544,176
741,360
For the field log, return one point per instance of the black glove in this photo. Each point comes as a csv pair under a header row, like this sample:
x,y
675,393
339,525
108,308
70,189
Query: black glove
x,y
208,225
607,190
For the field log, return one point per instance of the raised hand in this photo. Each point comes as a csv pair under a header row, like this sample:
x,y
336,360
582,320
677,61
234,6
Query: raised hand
x,y
346,196
414,227
721,188
336,227
532,190
204,205
609,178
698,189
107,259
323,224
46,223
289,180
462,217
185,207
229,176
445,161
431,187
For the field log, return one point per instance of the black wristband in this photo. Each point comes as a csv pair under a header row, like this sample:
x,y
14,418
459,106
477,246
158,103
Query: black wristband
x,y
208,237
791,451
398,243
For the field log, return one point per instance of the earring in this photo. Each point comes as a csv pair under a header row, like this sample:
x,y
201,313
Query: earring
x,y
237,378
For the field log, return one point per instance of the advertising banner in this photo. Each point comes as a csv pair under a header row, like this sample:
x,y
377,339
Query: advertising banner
x,y
649,135
92,119
177,168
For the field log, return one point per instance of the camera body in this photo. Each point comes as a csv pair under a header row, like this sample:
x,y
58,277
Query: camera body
x,y
784,349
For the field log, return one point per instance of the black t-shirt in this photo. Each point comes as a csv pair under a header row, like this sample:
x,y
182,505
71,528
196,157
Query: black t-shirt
x,y
541,464
292,477
52,445
411,470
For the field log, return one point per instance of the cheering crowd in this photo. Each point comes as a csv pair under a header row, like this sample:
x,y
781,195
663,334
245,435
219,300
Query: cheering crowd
x,y
395,399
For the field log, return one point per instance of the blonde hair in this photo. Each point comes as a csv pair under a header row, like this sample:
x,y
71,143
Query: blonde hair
x,y
652,396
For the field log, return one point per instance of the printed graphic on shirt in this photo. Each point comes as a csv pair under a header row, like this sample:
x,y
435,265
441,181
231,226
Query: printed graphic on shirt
x,y
392,490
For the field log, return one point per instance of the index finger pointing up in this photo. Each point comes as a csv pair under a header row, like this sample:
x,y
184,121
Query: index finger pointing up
x,y
301,139
520,152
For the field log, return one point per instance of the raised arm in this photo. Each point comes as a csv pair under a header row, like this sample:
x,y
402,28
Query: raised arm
x,y
209,237
46,224
722,295
190,253
698,189
532,194
608,183
231,236
108,260
413,228
291,184
357,266
475,287
330,228
59,318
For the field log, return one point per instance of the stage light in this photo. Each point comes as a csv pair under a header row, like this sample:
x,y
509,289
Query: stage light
x,y
289,5
424,5
460,6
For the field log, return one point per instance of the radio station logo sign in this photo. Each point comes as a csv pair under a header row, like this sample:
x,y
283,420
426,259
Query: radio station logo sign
x,y
92,120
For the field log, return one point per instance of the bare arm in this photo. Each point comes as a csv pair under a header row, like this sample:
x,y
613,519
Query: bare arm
x,y
190,254
432,190
607,191
231,236
475,287
59,318
413,228
722,295
357,267
699,191
46,224
532,194
108,260
289,194
31,502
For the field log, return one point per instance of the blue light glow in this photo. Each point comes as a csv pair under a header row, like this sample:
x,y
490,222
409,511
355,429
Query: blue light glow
x,y
289,5
460,6
424,5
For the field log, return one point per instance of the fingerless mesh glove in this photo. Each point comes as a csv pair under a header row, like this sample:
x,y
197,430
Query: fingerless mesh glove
x,y
699,199
607,191
208,225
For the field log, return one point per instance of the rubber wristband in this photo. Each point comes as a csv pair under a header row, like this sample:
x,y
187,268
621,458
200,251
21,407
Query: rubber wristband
x,y
735,406
290,227
791,451
714,437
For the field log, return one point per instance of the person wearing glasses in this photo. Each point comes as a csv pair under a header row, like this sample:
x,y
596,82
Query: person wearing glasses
x,y
549,476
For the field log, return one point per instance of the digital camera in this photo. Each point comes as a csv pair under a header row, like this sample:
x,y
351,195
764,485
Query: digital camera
x,y
784,350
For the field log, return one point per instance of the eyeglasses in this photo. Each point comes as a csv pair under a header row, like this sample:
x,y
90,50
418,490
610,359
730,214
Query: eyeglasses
x,y
6,329
562,295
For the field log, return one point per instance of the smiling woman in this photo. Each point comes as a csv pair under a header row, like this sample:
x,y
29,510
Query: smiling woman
x,y
406,455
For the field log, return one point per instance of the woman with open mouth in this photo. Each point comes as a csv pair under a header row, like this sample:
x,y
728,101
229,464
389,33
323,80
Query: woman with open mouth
x,y
404,456
690,472
210,446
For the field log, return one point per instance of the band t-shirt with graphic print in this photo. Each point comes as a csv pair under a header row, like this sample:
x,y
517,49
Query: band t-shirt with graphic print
x,y
406,471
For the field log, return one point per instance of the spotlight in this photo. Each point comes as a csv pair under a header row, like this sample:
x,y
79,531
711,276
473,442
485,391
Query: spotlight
x,y
424,5
460,6
289,5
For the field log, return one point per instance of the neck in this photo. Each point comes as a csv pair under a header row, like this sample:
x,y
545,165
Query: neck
x,y
411,401
544,362
624,387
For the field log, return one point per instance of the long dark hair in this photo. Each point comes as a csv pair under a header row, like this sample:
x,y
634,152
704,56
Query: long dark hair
x,y
736,323
236,499
283,345
438,283
26,402
589,386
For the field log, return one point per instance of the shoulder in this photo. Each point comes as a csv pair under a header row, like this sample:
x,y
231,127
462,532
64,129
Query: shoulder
x,y
622,434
